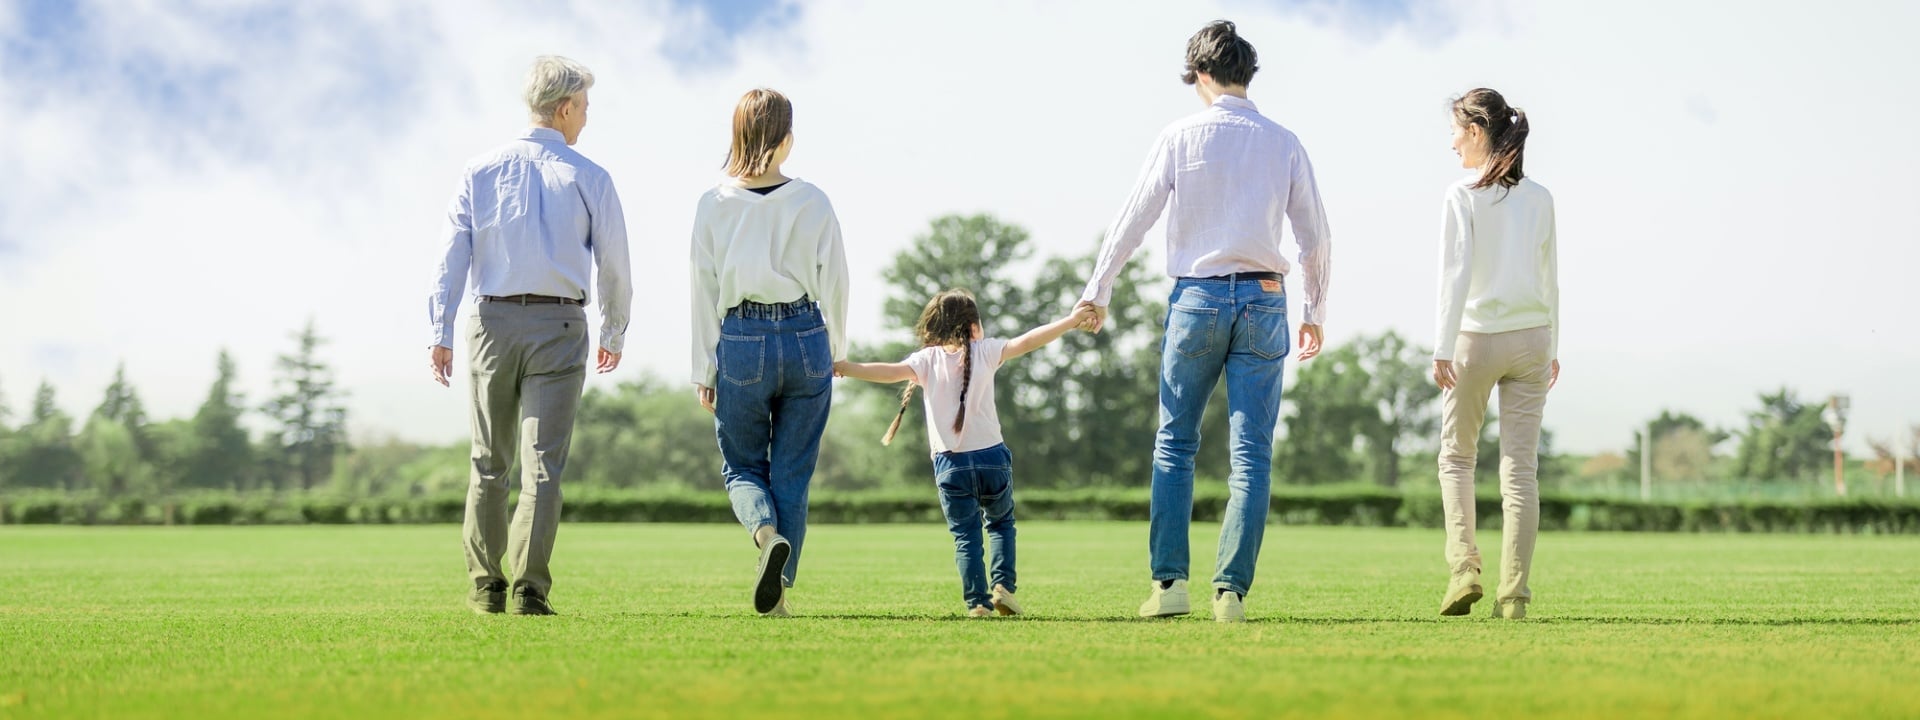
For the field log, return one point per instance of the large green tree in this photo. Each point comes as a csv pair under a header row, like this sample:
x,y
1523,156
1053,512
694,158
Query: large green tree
x,y
46,456
114,445
1784,439
1403,397
310,419
222,453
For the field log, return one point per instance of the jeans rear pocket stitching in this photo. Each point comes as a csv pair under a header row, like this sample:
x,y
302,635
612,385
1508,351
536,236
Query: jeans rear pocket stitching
x,y
1286,340
1212,316
759,361
807,358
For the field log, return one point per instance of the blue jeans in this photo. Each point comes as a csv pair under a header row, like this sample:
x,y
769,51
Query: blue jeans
x,y
972,485
1216,325
775,387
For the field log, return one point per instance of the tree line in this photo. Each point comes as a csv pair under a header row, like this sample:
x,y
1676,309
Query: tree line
x,y
1080,414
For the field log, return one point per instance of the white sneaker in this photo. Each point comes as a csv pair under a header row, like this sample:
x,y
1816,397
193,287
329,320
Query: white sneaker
x,y
1166,601
1003,601
1228,608
1462,592
780,609
1511,609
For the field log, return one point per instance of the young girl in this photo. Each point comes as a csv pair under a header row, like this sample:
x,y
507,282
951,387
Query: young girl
x,y
769,320
971,464
1499,326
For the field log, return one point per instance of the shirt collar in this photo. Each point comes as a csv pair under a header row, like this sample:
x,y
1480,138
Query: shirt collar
x,y
1234,101
540,133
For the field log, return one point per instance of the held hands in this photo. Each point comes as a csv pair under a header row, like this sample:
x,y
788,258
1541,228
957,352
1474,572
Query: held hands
x,y
840,368
1092,316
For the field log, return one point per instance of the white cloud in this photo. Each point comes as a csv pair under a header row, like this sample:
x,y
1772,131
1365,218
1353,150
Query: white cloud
x,y
1703,262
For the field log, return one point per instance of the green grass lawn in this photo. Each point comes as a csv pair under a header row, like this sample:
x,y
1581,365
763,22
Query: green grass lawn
x,y
370,622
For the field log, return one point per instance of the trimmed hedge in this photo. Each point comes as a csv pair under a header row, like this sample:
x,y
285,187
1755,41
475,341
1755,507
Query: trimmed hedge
x,y
1360,507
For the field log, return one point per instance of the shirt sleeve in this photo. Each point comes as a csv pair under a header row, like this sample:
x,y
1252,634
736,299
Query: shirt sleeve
x,y
832,282
1552,274
1310,231
456,258
1456,271
920,362
607,235
705,283
1130,227
993,353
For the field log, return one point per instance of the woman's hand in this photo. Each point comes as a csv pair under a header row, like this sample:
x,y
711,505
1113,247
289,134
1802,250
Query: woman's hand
x,y
705,395
1555,380
1443,374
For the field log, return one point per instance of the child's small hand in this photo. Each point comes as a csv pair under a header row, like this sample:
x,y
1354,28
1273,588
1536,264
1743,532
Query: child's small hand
x,y
1084,315
840,368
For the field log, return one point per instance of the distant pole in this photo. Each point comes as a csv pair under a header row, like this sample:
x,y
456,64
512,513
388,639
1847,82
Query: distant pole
x,y
1836,417
1646,463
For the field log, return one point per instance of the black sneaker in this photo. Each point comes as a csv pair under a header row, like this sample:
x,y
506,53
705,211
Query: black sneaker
x,y
528,601
490,599
773,561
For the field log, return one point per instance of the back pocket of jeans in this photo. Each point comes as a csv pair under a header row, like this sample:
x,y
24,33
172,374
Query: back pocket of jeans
x,y
743,359
816,353
1266,331
1190,330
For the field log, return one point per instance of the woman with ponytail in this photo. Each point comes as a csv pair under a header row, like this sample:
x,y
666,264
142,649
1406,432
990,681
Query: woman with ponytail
x,y
971,463
1499,326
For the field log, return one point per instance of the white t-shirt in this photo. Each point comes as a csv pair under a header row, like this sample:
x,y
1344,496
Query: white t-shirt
x,y
937,370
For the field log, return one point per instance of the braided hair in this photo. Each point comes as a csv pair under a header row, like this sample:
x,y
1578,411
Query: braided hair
x,y
949,319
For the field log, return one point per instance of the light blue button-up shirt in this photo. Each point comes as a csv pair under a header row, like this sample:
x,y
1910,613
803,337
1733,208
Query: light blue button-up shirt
x,y
533,217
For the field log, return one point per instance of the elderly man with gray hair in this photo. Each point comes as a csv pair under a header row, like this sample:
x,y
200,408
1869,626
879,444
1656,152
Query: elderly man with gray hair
x,y
529,223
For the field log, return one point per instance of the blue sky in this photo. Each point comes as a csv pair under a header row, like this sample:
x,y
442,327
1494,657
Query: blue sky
x,y
1735,192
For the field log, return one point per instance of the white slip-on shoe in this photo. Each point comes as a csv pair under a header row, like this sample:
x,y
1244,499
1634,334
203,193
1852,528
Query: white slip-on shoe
x,y
768,587
781,609
1167,601
1511,609
980,611
1462,592
1003,601
1228,608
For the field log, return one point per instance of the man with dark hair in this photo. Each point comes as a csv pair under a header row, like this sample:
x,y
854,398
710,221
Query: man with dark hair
x,y
1229,175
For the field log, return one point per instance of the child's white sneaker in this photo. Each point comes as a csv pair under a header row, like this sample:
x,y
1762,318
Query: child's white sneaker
x,y
1462,592
1167,601
1003,601
980,611
1228,608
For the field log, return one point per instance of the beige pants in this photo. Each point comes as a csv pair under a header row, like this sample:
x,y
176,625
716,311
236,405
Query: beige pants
x,y
529,364
1517,363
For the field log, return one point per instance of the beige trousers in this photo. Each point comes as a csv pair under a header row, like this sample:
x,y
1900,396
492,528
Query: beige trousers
x,y
1517,363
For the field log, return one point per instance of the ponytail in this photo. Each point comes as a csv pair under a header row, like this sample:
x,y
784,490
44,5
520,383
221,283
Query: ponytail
x,y
1506,129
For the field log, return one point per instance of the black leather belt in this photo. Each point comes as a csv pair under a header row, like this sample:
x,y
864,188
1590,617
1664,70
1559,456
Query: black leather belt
x,y
530,300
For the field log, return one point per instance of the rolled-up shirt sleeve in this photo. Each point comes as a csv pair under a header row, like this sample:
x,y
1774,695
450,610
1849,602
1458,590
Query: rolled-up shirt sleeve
x,y
456,258
608,238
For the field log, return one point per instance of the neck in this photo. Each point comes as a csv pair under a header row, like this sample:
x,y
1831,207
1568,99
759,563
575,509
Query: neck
x,y
771,177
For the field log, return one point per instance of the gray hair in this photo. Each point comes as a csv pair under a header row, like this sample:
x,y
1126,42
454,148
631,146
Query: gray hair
x,y
551,81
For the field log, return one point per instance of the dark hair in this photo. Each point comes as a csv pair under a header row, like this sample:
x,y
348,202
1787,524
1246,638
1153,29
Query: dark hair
x,y
948,320
1220,52
761,121
1506,129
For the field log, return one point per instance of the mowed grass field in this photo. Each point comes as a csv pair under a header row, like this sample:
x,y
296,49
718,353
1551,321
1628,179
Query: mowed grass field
x,y
369,622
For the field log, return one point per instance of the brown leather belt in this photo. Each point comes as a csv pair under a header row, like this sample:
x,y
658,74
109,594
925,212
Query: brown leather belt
x,y
530,300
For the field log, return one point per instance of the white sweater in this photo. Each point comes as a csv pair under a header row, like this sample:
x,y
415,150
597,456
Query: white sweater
x,y
1499,270
771,249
